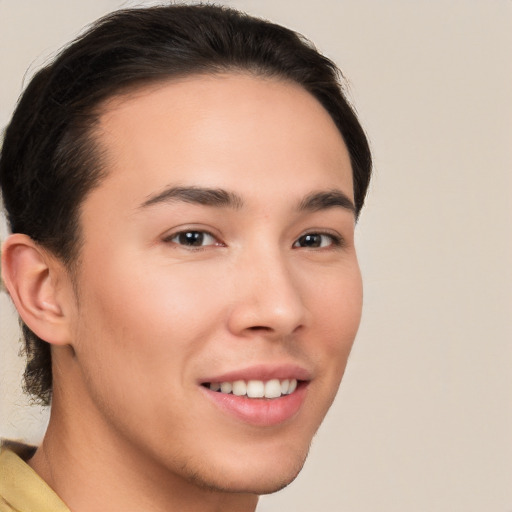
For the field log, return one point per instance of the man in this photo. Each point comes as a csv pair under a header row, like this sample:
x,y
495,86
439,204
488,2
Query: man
x,y
182,186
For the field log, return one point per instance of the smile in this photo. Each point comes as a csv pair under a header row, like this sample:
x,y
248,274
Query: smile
x,y
263,395
273,388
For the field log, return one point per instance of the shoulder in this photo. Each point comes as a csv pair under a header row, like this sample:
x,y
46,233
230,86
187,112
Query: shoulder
x,y
21,488
22,450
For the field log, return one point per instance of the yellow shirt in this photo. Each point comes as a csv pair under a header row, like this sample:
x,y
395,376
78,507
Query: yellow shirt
x,y
22,490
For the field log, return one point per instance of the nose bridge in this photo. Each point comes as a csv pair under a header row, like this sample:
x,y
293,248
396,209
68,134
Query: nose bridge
x,y
268,295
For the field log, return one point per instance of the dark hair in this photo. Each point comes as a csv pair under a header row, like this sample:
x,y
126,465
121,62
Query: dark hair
x,y
49,161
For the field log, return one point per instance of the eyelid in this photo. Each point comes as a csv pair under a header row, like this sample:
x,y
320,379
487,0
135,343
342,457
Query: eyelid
x,y
337,240
170,235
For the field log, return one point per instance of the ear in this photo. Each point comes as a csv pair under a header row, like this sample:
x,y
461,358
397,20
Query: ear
x,y
40,288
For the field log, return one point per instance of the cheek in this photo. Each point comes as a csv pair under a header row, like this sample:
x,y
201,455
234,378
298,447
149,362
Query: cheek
x,y
146,313
136,330
337,313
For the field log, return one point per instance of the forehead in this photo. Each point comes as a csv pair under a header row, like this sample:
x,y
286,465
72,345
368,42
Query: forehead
x,y
231,129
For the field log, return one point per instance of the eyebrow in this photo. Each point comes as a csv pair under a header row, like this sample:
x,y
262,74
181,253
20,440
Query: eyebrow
x,y
324,200
220,198
215,197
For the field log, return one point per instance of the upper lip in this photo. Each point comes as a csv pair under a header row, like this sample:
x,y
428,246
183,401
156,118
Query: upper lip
x,y
262,372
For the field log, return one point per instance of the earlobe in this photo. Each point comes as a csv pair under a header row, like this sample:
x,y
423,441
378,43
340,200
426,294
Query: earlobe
x,y
35,281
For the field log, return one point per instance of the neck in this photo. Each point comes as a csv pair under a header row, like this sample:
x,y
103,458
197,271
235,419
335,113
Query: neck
x,y
110,470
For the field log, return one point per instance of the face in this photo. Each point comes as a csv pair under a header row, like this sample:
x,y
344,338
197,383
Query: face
x,y
218,252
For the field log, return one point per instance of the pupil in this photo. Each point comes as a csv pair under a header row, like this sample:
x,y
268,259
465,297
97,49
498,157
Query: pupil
x,y
193,238
311,240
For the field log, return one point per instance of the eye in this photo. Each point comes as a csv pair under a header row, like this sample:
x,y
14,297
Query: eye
x,y
317,241
193,238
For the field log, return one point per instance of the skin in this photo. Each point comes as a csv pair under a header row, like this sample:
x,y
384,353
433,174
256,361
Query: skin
x,y
147,318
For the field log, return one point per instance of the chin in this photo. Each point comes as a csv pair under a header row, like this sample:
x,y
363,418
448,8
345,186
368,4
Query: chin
x,y
267,479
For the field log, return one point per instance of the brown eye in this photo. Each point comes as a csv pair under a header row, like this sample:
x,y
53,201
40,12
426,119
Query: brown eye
x,y
317,241
193,239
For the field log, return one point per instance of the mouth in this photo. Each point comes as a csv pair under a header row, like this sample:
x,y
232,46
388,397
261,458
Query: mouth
x,y
269,389
260,396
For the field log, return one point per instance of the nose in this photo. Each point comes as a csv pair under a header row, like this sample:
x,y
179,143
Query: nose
x,y
267,298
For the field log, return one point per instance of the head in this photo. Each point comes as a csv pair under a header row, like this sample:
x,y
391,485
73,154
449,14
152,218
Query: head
x,y
150,78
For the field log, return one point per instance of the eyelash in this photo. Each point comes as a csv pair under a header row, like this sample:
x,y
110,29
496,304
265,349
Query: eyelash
x,y
336,241
172,237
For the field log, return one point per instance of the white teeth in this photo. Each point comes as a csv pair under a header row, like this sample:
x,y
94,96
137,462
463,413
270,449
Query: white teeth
x,y
226,387
255,389
239,388
273,388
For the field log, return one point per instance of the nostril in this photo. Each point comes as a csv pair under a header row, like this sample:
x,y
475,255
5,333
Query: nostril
x,y
260,328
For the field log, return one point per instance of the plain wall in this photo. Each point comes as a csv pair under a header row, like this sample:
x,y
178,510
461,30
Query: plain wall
x,y
423,421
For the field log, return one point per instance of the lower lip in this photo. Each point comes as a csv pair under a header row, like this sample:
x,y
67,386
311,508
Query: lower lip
x,y
261,412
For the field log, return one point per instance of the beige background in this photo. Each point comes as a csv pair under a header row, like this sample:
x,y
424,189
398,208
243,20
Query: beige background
x,y
423,422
